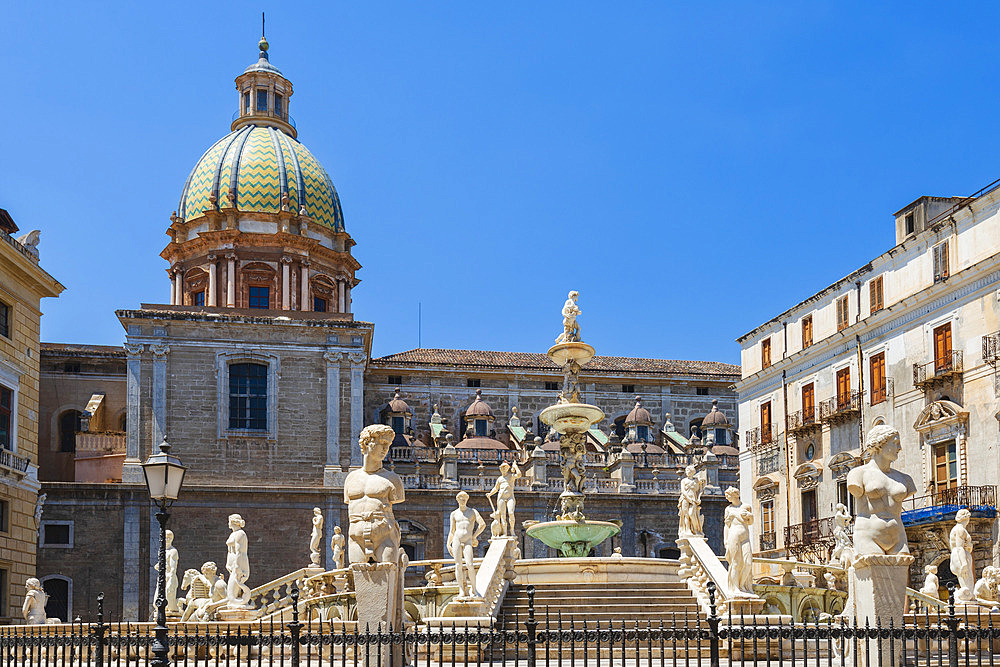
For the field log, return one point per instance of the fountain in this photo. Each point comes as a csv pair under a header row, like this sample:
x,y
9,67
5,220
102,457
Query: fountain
x,y
571,532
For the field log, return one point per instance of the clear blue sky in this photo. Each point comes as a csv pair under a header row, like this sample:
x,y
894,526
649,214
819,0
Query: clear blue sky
x,y
692,169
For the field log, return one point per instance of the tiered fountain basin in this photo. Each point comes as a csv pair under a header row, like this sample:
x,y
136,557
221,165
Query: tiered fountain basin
x,y
571,417
573,539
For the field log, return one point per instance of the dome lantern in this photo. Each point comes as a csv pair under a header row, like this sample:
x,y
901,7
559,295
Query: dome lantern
x,y
264,94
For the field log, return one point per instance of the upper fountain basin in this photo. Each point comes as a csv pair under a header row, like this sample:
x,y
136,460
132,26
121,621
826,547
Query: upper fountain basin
x,y
578,351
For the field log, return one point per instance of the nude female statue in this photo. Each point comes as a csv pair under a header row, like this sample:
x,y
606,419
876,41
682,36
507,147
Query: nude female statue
x,y
880,491
961,557
237,563
689,505
370,492
739,552
315,537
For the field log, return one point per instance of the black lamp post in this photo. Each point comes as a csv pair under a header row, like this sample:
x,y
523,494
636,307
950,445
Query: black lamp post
x,y
164,476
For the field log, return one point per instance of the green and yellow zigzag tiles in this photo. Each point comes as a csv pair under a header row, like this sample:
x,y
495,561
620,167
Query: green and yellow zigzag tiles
x,y
258,188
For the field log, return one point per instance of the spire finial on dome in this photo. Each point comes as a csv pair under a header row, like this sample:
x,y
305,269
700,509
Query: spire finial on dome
x,y
262,44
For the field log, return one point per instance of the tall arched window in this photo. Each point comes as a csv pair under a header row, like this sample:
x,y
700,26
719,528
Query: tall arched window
x,y
57,588
248,396
69,424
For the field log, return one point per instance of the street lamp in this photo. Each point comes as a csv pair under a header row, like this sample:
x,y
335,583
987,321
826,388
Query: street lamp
x,y
164,476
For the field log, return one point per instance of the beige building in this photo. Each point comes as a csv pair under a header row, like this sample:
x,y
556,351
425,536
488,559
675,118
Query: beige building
x,y
909,339
23,284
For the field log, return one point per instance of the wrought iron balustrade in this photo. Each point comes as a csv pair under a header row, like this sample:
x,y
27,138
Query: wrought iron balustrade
x,y
841,407
940,369
768,541
957,497
991,348
762,436
811,537
802,421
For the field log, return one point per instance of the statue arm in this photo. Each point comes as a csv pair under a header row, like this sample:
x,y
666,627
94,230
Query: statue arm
x,y
855,483
480,524
495,489
451,535
517,471
399,492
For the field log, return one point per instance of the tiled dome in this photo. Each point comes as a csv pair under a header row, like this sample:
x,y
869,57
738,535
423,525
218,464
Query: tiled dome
x,y
259,164
716,418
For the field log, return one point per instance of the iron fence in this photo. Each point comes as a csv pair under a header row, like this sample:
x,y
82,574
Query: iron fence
x,y
536,638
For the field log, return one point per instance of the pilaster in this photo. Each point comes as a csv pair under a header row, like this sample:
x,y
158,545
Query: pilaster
x,y
333,470
357,360
159,394
131,472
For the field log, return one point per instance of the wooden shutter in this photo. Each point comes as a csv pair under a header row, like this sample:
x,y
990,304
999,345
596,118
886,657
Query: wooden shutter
x,y
843,388
842,316
765,353
765,422
940,253
767,517
942,347
807,331
877,364
808,403
945,466
875,294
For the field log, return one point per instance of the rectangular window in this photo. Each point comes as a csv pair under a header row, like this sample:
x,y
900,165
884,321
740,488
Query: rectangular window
x,y
875,294
765,353
808,404
767,517
877,367
473,382
4,516
844,497
909,223
319,304
628,388
395,379
57,534
843,389
398,424
701,391
262,99
765,423
198,299
807,331
945,466
809,505
940,252
482,428
260,297
246,101
721,436
4,320
551,386
942,348
6,418
248,396
4,594
843,318
277,104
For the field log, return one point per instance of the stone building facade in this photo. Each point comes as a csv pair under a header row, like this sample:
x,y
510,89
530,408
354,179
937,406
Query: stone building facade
x,y
909,339
23,284
261,378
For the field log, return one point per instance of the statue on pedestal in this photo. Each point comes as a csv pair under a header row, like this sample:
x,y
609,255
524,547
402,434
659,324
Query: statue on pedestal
x,y
466,525
203,588
739,551
932,586
504,489
237,563
570,311
35,598
315,537
171,574
337,544
689,505
961,557
880,491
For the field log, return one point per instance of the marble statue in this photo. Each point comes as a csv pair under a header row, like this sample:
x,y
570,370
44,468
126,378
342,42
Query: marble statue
x,y
739,552
961,557
689,505
986,590
39,506
466,525
171,576
570,311
831,580
842,550
932,586
203,589
616,552
237,563
316,537
337,544
35,598
573,448
880,491
370,492
504,490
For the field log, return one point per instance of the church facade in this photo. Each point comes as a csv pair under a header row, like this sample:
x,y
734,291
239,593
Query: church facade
x,y
261,378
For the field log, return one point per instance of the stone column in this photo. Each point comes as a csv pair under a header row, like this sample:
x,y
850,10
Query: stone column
x,y
130,562
159,394
231,280
333,468
178,288
341,286
347,296
357,360
286,286
877,589
304,285
131,470
173,288
213,282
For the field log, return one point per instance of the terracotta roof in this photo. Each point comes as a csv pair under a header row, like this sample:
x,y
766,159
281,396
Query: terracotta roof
x,y
76,348
599,364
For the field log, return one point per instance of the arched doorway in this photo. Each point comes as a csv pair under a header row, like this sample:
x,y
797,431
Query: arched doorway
x,y
69,424
58,604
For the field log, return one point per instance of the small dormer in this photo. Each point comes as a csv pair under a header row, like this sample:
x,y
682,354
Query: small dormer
x,y
264,95
638,424
478,418
915,216
397,414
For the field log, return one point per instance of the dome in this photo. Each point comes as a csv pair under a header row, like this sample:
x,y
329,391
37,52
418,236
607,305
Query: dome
x,y
398,405
479,407
639,414
716,418
259,165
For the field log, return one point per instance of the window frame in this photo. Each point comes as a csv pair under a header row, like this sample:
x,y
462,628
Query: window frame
x,y
843,312
394,380
6,312
940,262
473,383
223,361
876,296
248,396
55,545
628,388
316,302
257,98
765,353
807,331
551,386
808,391
877,378
69,592
10,379
251,296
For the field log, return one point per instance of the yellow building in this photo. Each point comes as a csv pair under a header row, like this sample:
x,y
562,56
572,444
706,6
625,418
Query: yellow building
x,y
23,283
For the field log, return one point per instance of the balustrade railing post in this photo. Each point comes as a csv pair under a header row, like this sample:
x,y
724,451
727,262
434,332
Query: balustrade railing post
x,y
713,627
952,622
532,625
98,631
295,627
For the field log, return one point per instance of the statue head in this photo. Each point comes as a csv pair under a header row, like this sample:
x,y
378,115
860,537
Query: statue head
x,y
376,439
209,569
504,468
930,569
690,471
33,584
317,511
463,498
236,522
884,439
169,535
733,495
841,508
573,295
962,516
336,530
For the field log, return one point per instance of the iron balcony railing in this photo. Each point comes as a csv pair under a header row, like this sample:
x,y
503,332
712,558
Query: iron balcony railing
x,y
813,537
802,421
883,393
768,541
940,369
841,407
957,497
991,348
12,461
762,437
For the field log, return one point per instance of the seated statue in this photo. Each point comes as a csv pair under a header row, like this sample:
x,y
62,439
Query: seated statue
x,y
203,588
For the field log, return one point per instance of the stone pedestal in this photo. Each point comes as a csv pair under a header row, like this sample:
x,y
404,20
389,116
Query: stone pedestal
x,y
623,469
468,607
235,614
378,594
878,594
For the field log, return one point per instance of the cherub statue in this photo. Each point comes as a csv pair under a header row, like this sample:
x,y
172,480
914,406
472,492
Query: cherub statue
x,y
573,449
203,588
841,538
931,585
33,608
570,311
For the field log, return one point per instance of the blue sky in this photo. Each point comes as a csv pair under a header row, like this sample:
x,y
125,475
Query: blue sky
x,y
692,169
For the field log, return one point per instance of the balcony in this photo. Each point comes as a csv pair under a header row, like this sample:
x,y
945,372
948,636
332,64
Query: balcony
x,y
940,505
811,538
841,408
762,437
802,422
991,348
12,462
882,394
768,541
942,369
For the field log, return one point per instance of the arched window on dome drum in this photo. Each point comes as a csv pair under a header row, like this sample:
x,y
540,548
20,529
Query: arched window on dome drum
x,y
262,99
248,396
323,289
259,282
195,284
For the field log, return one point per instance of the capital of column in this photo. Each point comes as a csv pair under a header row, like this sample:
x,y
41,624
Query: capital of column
x,y
159,351
306,263
230,256
212,258
134,349
285,259
357,358
333,357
